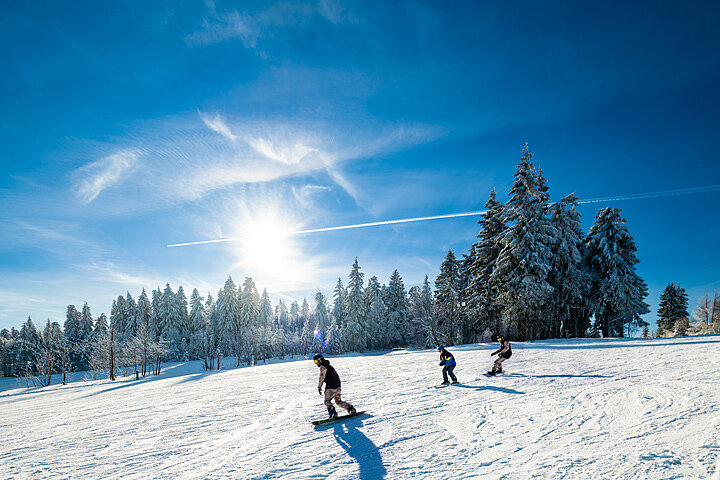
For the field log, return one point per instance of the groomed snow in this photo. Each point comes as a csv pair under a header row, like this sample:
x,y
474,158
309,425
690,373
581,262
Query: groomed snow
x,y
575,409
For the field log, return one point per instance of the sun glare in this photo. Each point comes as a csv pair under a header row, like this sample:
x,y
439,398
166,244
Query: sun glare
x,y
268,252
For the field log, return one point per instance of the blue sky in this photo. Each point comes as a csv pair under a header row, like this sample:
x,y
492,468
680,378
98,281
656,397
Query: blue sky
x,y
128,127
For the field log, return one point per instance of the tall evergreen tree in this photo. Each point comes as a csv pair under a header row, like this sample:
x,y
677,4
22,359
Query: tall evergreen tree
x,y
227,311
339,295
616,290
482,293
673,309
568,308
396,304
523,264
354,314
447,300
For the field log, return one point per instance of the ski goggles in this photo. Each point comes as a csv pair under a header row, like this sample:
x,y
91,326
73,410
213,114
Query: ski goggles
x,y
317,362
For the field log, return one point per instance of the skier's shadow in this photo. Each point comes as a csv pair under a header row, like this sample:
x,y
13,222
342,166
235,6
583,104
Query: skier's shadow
x,y
491,387
360,448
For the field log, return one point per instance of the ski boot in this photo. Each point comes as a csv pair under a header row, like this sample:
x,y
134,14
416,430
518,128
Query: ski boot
x,y
454,382
492,372
445,383
351,410
332,412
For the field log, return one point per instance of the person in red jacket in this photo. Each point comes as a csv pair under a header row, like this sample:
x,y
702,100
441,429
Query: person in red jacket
x,y
331,379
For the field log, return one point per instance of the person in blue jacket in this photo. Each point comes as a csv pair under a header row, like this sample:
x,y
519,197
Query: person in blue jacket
x,y
447,361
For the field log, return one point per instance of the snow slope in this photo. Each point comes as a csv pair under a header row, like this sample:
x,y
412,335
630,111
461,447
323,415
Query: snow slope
x,y
575,409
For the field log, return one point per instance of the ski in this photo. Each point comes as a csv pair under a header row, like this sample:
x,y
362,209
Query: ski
x,y
339,418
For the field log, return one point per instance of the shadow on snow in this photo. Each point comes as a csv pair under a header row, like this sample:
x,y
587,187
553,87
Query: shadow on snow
x,y
360,448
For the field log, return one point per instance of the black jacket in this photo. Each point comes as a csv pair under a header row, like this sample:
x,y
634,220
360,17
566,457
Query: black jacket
x,y
332,379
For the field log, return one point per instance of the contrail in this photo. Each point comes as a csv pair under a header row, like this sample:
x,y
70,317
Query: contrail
x,y
342,227
662,193
634,196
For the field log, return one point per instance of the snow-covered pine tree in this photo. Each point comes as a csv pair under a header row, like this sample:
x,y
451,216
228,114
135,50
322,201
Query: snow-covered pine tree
x,y
227,313
375,321
307,334
339,295
323,321
523,264
466,320
75,337
143,312
249,312
130,327
396,304
170,321
568,309
380,330
183,326
154,324
264,327
101,325
118,318
481,294
198,326
354,314
673,308
282,319
616,293
446,301
86,322
29,340
334,340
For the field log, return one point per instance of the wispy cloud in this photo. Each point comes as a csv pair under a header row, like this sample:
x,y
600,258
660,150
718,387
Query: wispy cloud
x,y
252,26
97,176
217,124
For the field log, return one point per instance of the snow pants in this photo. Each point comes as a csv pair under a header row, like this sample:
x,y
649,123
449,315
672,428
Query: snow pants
x,y
497,366
449,370
334,394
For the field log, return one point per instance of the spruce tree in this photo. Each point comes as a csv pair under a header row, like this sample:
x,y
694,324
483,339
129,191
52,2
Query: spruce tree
x,y
354,313
616,290
482,293
568,309
396,304
447,300
523,264
673,308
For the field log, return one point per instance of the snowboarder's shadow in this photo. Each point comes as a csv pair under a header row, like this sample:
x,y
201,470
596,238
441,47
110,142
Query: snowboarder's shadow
x,y
491,387
558,376
360,448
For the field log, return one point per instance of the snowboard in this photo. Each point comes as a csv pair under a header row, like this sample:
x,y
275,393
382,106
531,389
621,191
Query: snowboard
x,y
488,374
339,418
443,385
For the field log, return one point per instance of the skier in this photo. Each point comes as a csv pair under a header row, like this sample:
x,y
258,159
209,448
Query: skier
x,y
504,352
447,361
330,378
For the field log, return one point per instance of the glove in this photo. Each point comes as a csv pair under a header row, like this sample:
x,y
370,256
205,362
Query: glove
x,y
492,354
319,390
442,363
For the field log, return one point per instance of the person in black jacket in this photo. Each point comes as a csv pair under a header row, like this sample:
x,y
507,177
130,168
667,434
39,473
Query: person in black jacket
x,y
503,353
331,379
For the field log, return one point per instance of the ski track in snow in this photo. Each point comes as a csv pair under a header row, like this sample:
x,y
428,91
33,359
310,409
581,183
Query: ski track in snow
x,y
563,409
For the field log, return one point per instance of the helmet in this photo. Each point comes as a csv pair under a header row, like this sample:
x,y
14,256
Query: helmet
x,y
318,359
441,348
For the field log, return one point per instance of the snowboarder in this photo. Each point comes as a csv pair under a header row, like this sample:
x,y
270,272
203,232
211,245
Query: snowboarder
x,y
504,352
330,378
447,361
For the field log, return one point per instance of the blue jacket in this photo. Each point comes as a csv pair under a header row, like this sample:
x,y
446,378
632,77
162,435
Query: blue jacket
x,y
447,359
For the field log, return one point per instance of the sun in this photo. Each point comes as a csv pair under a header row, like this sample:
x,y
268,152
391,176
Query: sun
x,y
268,251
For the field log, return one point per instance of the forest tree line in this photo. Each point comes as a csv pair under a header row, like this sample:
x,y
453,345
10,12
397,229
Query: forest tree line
x,y
532,274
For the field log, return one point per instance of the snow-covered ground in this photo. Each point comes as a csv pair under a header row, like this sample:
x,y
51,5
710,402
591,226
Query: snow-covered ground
x,y
576,409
